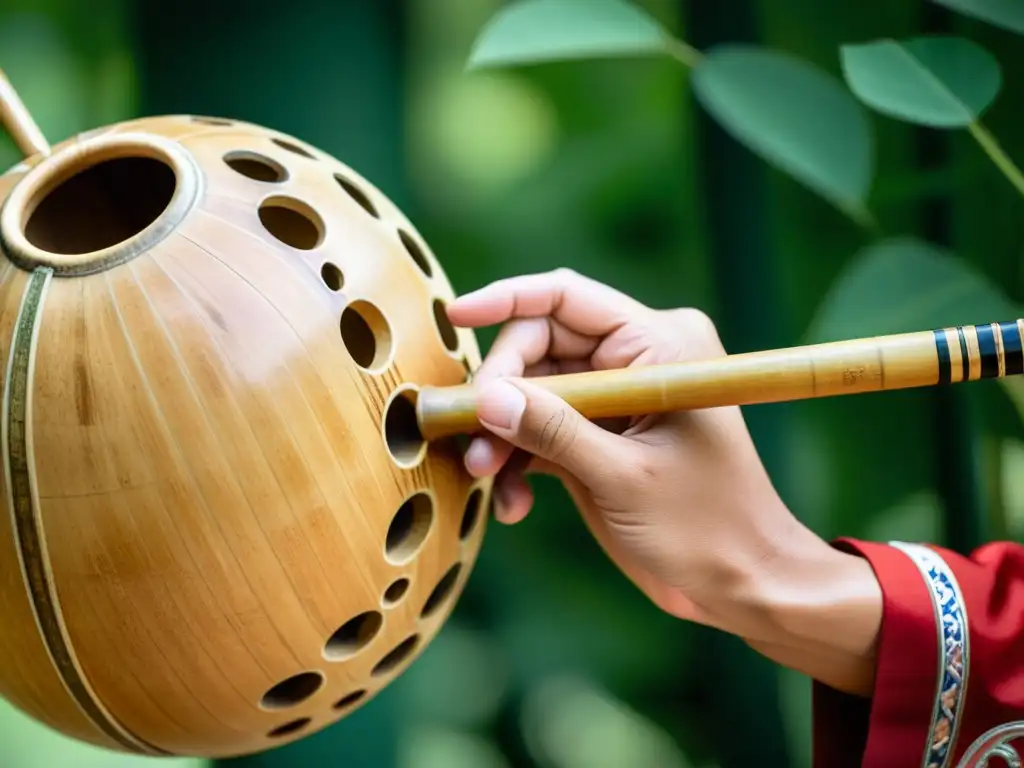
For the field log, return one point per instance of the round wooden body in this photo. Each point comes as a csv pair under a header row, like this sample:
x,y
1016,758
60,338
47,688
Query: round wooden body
x,y
221,532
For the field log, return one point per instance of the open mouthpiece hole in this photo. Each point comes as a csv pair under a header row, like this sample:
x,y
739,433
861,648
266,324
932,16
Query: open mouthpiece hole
x,y
94,208
97,202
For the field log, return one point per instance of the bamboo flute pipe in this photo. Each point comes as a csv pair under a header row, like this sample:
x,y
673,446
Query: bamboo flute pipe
x,y
16,120
876,364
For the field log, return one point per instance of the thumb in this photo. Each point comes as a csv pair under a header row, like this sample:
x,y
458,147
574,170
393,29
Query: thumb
x,y
541,423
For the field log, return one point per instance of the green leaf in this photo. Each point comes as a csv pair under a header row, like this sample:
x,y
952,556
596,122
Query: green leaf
x,y
1008,14
795,116
904,285
533,31
941,82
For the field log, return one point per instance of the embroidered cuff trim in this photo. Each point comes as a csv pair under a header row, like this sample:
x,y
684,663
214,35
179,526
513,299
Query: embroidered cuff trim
x,y
952,636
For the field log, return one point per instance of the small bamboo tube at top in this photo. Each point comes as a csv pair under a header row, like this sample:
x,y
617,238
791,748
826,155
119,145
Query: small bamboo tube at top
x,y
16,120
881,363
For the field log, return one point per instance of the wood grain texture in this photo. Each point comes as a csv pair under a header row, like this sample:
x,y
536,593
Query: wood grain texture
x,y
213,488
898,361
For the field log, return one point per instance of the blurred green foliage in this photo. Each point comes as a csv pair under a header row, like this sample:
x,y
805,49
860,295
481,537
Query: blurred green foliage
x,y
824,202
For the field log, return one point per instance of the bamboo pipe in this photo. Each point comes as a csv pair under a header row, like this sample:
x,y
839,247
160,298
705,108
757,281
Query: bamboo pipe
x,y
16,120
881,363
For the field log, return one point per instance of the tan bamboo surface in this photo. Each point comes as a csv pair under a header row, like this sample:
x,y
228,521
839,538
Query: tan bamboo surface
x,y
216,539
897,361
16,120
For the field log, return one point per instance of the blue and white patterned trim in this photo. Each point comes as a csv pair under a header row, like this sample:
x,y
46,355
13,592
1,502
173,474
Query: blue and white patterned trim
x,y
953,638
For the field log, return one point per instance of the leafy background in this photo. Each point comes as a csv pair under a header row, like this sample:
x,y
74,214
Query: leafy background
x,y
801,171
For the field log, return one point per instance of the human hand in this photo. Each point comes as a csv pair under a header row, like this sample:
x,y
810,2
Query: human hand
x,y
680,502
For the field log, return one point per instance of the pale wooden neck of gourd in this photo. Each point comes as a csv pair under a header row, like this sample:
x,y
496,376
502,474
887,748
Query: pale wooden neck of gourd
x,y
18,123
899,361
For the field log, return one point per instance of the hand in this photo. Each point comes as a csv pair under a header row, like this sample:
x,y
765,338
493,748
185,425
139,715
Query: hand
x,y
680,502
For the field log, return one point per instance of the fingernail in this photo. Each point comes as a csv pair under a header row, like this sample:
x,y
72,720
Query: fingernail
x,y
479,455
501,406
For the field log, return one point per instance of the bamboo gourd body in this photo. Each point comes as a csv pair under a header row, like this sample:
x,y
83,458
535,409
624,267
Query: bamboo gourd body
x,y
210,546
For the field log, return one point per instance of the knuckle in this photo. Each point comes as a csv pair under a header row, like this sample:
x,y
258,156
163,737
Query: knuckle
x,y
697,321
697,326
565,273
565,278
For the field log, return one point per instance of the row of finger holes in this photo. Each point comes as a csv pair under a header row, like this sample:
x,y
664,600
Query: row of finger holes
x,y
285,224
345,702
354,635
406,533
296,224
365,331
367,337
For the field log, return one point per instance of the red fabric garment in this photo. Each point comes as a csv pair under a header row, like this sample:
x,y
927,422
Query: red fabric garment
x,y
949,684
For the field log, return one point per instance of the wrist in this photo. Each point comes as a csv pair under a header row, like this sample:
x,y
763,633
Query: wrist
x,y
814,608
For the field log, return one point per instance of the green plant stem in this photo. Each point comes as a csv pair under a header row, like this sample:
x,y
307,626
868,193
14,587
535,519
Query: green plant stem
x,y
684,53
999,157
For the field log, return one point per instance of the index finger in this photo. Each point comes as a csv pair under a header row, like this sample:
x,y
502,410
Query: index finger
x,y
579,303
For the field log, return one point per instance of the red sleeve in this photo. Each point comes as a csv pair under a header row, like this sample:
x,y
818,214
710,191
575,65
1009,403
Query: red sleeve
x,y
949,685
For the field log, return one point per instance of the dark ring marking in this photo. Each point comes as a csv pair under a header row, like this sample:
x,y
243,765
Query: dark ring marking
x,y
28,534
989,353
1013,352
965,356
945,366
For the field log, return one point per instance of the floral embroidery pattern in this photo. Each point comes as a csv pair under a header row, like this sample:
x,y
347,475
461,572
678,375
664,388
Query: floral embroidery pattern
x,y
954,652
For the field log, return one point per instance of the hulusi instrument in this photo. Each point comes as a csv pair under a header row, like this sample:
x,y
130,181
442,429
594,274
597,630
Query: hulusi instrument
x,y
235,510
